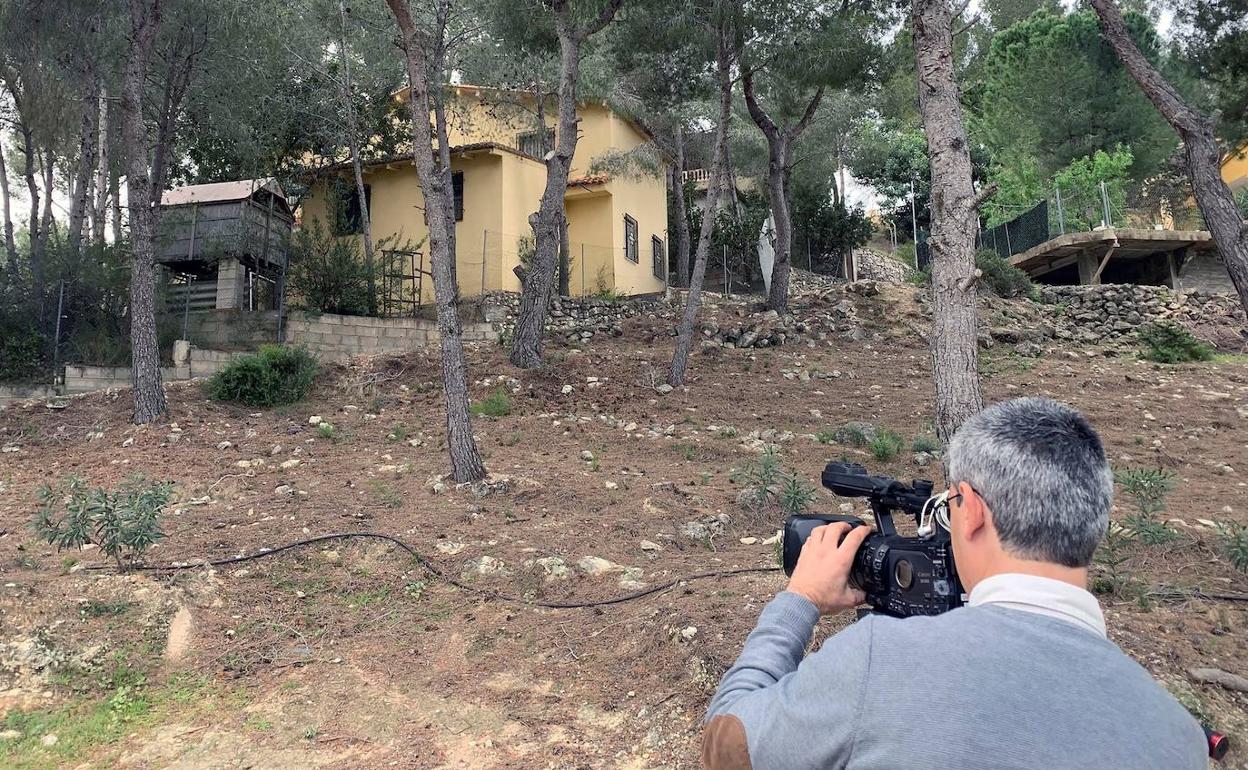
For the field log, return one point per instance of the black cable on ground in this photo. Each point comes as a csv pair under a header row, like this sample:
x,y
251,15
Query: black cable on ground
x,y
432,569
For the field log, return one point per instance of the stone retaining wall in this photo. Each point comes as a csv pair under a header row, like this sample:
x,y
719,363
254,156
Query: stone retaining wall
x,y
336,337
1106,313
575,318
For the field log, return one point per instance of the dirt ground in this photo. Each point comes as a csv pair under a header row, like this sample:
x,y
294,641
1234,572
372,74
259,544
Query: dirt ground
x,y
350,655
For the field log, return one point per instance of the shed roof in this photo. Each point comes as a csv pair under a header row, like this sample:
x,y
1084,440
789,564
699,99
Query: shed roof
x,y
217,192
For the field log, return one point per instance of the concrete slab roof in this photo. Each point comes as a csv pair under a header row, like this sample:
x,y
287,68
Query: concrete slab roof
x,y
1132,243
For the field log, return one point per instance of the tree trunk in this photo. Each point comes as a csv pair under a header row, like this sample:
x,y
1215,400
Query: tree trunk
x,y
6,202
357,169
714,195
115,197
29,155
466,462
780,139
565,259
777,189
99,211
954,206
678,210
86,165
149,396
47,165
1200,149
526,346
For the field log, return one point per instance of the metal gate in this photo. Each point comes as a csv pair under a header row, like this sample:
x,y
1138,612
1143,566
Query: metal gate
x,y
402,283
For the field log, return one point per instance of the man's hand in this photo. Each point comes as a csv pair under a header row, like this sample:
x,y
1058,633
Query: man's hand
x,y
822,571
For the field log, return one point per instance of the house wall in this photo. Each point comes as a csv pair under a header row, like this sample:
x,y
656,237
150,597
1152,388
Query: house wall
x,y
644,199
1235,169
592,242
397,215
501,191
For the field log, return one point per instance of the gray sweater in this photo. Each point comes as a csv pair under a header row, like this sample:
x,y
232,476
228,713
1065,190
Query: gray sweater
x,y
979,687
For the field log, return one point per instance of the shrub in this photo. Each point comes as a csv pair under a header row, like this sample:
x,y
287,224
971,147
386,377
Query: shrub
x,y
925,442
795,495
497,404
21,352
854,433
1148,489
1234,537
123,524
274,376
326,430
1000,277
886,445
1169,343
759,476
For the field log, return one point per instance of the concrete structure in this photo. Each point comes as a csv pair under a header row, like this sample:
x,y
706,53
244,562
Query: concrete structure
x,y
225,245
1180,259
337,337
617,225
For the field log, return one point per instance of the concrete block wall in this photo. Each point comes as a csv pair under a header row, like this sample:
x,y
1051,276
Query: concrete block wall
x,y
336,337
80,378
233,329
84,379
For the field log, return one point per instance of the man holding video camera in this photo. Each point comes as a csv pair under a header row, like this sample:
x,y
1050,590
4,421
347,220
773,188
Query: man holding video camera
x,y
1022,676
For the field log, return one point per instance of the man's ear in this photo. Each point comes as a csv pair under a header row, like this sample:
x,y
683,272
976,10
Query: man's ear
x,y
973,514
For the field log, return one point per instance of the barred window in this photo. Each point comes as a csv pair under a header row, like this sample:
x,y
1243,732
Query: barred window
x,y
535,142
630,239
457,188
660,257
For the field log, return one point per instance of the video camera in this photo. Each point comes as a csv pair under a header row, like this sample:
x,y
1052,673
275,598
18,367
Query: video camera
x,y
902,576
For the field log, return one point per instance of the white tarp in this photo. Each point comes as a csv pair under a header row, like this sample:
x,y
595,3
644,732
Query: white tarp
x,y
767,250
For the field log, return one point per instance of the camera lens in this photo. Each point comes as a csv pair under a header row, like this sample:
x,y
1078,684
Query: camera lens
x,y
903,574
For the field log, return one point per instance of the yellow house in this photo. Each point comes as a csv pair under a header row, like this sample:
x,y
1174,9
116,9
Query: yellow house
x,y
1235,168
617,225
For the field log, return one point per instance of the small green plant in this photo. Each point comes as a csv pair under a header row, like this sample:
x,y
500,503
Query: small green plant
x,y
925,442
854,434
123,523
795,495
1113,559
760,476
727,432
497,404
326,430
1169,343
1234,542
826,437
397,433
385,495
886,445
1148,488
274,376
687,451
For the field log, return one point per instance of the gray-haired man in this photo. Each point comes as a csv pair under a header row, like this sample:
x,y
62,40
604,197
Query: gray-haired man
x,y
1021,677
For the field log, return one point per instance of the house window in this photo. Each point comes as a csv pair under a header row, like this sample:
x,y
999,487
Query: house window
x,y
660,257
630,238
535,142
457,187
348,219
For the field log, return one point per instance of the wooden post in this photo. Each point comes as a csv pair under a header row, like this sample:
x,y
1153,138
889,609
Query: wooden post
x,y
194,212
1096,277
